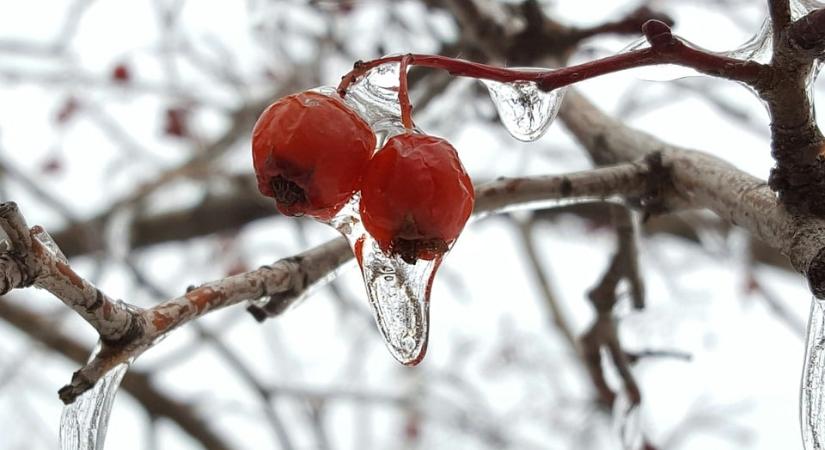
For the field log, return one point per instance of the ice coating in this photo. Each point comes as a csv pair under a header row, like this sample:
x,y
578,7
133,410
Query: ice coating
x,y
398,292
758,48
375,97
801,7
812,400
525,110
83,423
659,72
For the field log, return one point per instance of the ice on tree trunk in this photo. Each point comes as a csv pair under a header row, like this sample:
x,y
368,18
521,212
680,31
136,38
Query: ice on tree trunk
x,y
84,422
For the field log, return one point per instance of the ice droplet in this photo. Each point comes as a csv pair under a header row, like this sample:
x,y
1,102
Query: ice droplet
x,y
375,97
525,110
812,393
398,292
83,424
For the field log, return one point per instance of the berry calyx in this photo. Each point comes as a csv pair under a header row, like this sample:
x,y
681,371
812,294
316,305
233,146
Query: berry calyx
x,y
416,197
309,152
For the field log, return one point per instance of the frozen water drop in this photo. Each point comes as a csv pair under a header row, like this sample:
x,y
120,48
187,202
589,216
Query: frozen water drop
x,y
399,295
398,292
375,97
525,110
812,392
83,423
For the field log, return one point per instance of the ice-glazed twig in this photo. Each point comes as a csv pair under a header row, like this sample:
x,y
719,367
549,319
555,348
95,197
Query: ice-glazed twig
x,y
31,261
126,331
664,48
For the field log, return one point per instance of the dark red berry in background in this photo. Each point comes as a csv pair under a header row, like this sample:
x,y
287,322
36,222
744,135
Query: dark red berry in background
x,y
309,152
67,110
121,73
416,197
176,122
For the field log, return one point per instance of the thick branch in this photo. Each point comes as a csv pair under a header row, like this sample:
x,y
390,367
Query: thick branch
x,y
780,13
708,182
47,270
286,280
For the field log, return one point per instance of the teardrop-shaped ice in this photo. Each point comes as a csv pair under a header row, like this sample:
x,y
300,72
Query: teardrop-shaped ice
x,y
375,96
84,422
525,110
812,392
398,292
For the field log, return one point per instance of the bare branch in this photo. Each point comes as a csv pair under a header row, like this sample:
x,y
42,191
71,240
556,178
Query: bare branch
x,y
138,384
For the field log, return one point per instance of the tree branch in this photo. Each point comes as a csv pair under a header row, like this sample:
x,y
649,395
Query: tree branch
x,y
138,384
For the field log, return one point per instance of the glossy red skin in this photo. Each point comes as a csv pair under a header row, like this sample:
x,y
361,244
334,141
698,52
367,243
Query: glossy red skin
x,y
317,142
416,189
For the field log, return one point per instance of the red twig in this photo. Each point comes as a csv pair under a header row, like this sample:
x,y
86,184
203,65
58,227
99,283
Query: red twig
x,y
404,95
664,49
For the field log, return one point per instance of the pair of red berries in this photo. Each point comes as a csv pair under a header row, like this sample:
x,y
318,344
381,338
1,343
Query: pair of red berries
x,y
312,153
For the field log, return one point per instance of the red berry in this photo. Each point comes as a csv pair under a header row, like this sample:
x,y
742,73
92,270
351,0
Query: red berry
x,y
121,73
309,152
416,197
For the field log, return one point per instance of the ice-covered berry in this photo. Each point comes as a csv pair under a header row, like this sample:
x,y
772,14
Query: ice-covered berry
x,y
416,197
310,150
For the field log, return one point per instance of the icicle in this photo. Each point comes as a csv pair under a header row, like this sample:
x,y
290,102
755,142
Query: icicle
x,y
83,423
525,110
812,397
398,292
627,422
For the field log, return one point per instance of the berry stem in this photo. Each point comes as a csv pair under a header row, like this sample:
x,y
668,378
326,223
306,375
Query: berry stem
x,y
664,49
403,93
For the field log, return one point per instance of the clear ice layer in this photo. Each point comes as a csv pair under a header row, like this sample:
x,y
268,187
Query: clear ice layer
x,y
375,97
